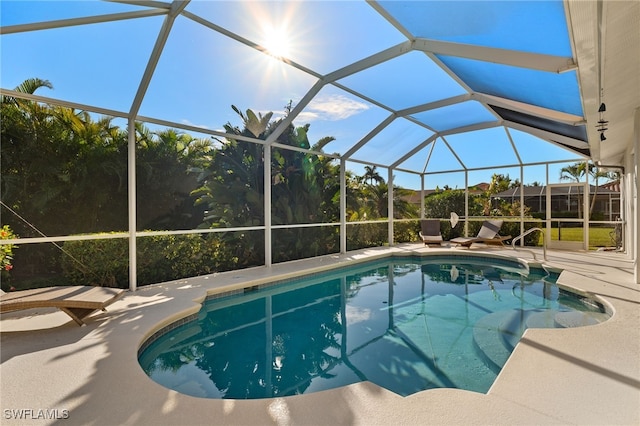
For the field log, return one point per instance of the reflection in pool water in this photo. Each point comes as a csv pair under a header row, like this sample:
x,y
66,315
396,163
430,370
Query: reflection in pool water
x,y
405,324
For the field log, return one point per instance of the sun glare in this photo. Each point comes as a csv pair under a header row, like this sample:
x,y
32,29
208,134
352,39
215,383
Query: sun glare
x,y
277,43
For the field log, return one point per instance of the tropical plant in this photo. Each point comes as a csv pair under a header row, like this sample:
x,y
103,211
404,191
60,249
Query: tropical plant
x,y
441,204
6,257
166,160
303,186
371,175
231,184
65,172
597,174
375,199
28,86
574,172
499,183
53,159
6,250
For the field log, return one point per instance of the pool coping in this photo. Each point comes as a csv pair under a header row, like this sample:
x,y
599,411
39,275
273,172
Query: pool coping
x,y
571,376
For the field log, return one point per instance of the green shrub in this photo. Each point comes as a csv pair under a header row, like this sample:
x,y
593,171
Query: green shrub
x,y
169,257
161,258
97,262
406,232
366,235
300,243
442,203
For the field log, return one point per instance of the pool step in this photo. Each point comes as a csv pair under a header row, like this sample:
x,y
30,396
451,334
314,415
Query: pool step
x,y
579,319
489,341
496,334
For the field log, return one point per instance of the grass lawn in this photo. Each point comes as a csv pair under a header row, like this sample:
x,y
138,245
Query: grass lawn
x,y
598,237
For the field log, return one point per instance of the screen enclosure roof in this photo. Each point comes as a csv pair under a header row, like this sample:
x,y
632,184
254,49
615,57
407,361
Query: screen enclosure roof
x,y
412,85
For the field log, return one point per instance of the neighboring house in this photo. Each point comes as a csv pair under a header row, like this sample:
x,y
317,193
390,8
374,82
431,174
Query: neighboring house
x,y
567,199
479,188
564,200
614,185
414,196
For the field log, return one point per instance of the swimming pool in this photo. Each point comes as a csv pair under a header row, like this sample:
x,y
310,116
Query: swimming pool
x,y
406,324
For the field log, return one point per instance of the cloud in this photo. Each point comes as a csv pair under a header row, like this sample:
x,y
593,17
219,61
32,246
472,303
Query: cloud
x,y
307,117
357,314
322,108
332,108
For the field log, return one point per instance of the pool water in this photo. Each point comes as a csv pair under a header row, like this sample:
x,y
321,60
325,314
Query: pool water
x,y
405,324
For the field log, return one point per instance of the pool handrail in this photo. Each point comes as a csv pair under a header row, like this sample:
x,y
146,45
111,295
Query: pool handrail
x,y
527,232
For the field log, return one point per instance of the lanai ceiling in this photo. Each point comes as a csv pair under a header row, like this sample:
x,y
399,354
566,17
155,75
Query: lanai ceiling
x,y
390,80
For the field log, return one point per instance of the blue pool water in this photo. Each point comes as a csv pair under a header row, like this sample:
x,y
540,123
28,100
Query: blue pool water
x,y
407,324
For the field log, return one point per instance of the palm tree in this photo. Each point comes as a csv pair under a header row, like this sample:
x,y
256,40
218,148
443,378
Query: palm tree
x,y
573,172
576,173
376,202
29,86
372,175
61,169
596,175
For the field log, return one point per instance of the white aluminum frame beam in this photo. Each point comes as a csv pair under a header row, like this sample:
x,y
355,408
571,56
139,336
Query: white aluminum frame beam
x,y
54,101
144,3
97,19
368,62
245,41
370,135
435,105
515,58
390,212
454,153
176,7
534,110
414,151
302,104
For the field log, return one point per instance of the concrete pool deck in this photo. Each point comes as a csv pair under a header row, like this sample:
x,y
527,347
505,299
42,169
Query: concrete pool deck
x,y
53,371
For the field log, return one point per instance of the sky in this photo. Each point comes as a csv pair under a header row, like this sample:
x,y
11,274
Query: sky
x,y
202,73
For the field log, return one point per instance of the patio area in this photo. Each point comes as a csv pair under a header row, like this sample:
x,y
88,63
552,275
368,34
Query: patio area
x,y
90,374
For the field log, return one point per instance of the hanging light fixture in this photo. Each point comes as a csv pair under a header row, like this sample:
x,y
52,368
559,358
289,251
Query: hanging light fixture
x,y
602,123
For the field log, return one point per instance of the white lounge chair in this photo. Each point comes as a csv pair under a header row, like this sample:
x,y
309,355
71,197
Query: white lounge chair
x,y
76,301
488,234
